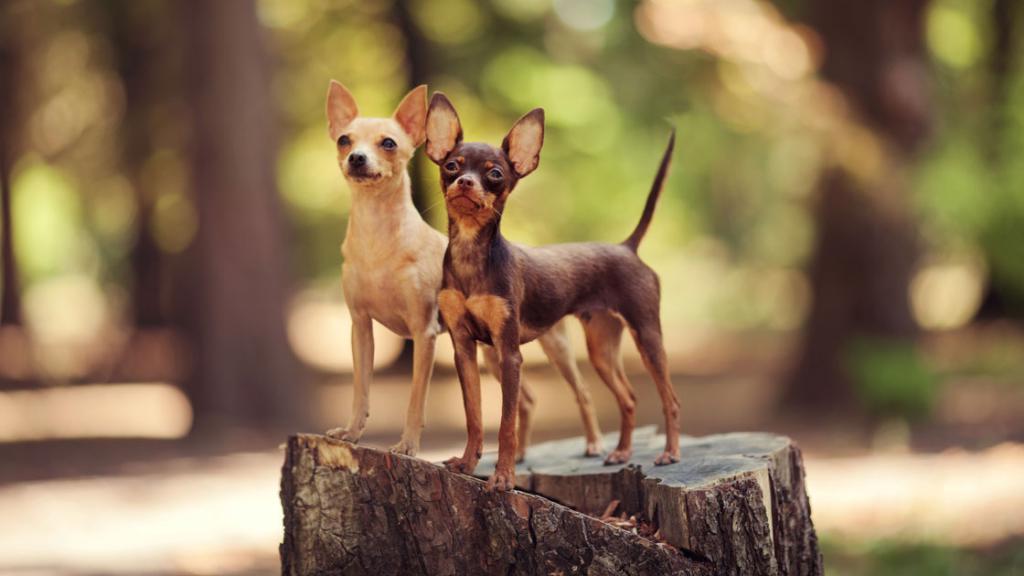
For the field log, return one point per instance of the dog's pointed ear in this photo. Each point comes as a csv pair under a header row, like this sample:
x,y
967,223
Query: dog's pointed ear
x,y
411,114
341,109
524,141
444,131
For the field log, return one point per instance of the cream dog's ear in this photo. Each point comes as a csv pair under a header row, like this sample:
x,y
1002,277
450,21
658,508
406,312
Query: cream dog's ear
x,y
444,131
341,109
411,114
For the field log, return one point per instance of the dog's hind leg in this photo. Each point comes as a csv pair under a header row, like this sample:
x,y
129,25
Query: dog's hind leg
x,y
646,330
558,349
604,337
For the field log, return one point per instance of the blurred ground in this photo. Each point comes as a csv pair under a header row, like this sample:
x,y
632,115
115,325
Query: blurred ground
x,y
887,497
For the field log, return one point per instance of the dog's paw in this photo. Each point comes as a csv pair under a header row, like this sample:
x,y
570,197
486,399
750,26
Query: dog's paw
x,y
618,457
344,434
593,450
406,447
502,480
459,465
665,458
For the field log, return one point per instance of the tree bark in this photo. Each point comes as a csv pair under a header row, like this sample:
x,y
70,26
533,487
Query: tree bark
x,y
866,247
734,505
244,371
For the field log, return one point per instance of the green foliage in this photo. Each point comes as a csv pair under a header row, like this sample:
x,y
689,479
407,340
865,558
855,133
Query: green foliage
x,y
48,213
895,558
734,226
970,185
891,378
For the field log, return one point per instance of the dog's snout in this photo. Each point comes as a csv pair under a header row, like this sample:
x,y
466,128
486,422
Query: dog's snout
x,y
357,159
465,182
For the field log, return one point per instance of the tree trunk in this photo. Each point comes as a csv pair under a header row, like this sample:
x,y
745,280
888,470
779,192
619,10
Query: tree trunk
x,y
866,243
417,60
734,505
10,302
244,371
137,47
10,305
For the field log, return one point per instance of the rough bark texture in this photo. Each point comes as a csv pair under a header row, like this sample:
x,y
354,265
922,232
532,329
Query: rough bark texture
x,y
734,505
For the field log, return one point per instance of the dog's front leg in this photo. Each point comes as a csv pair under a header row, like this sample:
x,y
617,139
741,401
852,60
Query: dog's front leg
x,y
362,360
527,401
422,369
469,378
511,360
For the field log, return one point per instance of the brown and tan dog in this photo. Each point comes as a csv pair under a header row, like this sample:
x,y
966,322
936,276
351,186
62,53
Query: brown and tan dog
x,y
503,294
392,267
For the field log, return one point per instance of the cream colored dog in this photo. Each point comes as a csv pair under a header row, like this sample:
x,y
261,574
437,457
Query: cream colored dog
x,y
392,266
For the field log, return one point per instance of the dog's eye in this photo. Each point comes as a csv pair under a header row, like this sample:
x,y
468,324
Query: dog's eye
x,y
388,144
451,166
495,174
344,140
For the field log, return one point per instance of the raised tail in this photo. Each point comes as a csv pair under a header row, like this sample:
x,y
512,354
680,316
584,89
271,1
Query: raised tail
x,y
652,199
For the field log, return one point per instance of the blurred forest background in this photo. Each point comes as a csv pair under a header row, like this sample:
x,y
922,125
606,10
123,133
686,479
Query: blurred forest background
x,y
841,244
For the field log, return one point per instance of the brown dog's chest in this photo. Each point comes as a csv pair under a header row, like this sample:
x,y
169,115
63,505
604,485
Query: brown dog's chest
x,y
483,316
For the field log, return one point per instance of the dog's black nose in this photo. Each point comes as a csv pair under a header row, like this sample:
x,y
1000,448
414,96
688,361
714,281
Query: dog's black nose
x,y
357,159
465,182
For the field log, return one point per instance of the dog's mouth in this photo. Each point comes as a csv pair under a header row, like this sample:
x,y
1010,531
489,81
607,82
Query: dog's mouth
x,y
365,176
463,203
362,174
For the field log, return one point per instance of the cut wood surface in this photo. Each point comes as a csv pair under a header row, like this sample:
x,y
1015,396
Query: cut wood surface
x,y
737,500
735,504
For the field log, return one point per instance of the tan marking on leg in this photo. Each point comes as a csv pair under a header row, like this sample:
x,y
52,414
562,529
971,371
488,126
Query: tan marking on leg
x,y
493,311
452,304
527,402
652,351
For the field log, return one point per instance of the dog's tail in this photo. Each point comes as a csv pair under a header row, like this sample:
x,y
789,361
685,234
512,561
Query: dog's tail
x,y
652,199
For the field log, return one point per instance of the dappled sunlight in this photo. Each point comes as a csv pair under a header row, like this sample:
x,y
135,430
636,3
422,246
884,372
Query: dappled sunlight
x,y
121,410
957,498
70,321
953,36
946,296
209,516
584,14
320,332
49,237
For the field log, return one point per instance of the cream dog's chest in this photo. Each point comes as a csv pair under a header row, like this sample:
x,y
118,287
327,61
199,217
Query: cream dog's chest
x,y
379,292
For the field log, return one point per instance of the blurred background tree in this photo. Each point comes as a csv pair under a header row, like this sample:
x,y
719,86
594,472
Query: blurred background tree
x,y
164,168
840,241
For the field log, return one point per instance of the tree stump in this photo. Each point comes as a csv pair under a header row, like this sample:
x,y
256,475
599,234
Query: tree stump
x,y
735,504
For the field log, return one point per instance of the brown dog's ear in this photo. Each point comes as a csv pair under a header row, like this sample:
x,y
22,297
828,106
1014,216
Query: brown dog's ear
x,y
524,141
411,114
341,109
444,131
